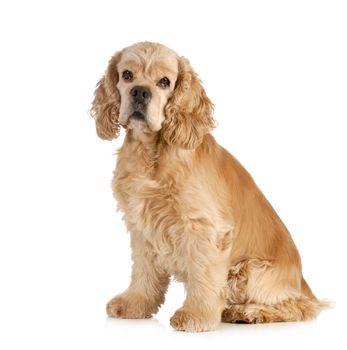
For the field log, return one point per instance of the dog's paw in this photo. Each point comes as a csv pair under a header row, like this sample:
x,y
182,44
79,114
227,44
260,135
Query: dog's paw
x,y
129,306
188,321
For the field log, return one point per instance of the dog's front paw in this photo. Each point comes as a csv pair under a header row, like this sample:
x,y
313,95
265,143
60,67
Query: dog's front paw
x,y
130,306
189,321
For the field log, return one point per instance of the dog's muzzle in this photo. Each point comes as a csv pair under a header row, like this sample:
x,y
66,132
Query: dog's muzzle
x,y
140,98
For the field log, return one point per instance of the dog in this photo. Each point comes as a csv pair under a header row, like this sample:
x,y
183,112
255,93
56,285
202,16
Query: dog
x,y
192,210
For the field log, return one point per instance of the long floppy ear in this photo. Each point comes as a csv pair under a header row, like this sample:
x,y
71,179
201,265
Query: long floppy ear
x,y
106,103
188,111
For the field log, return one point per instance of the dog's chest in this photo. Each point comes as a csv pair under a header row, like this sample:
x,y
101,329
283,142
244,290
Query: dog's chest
x,y
167,210
149,205
153,210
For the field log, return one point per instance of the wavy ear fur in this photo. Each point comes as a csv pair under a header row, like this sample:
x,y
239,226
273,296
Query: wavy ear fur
x,y
106,103
189,110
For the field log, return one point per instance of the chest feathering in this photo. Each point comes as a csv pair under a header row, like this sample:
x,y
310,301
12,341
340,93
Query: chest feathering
x,y
169,209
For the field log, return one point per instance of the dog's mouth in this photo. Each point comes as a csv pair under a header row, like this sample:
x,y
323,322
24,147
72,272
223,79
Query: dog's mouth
x,y
135,118
137,121
138,116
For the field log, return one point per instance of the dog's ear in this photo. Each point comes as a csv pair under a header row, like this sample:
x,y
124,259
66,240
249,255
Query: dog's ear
x,y
188,113
106,103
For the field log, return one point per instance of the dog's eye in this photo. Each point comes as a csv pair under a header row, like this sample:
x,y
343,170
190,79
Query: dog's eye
x,y
128,76
164,82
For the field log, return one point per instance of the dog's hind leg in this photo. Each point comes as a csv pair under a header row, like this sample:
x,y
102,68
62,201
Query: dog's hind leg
x,y
287,311
262,291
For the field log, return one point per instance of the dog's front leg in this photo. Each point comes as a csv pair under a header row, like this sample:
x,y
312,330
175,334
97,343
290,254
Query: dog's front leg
x,y
207,268
147,288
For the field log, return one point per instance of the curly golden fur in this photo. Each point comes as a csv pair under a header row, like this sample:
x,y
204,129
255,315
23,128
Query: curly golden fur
x,y
192,210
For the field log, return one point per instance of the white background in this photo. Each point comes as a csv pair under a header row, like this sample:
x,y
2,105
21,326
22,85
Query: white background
x,y
276,72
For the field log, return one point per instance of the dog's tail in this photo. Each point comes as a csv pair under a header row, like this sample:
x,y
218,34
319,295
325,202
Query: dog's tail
x,y
319,304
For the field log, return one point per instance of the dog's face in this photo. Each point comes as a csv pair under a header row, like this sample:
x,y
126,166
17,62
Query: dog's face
x,y
147,78
148,87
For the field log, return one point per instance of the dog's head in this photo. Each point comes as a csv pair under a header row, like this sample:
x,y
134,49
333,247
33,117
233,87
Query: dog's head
x,y
149,88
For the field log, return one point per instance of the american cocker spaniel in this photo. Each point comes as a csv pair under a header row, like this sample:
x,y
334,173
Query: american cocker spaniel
x,y
192,210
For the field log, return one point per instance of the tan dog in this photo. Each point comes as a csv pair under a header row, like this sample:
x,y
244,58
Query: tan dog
x,y
192,210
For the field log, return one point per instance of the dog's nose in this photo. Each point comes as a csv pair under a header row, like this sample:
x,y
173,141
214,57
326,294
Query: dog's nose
x,y
140,94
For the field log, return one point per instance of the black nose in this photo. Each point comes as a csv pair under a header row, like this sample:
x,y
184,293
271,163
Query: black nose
x,y
140,94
